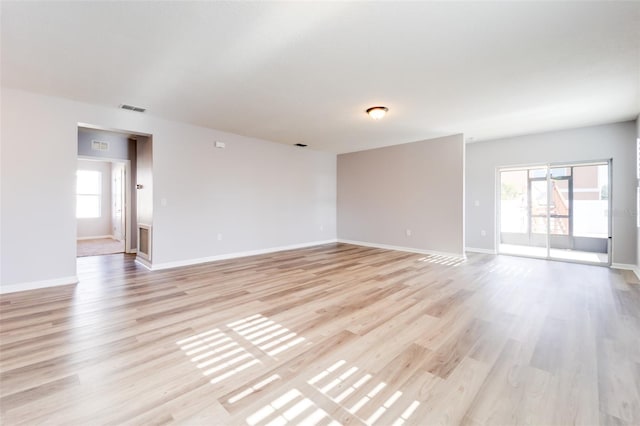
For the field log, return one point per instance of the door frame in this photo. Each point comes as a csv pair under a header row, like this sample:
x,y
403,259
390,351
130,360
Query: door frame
x,y
549,166
119,174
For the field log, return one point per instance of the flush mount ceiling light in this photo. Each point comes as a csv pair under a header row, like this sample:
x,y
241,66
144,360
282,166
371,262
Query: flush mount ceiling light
x,y
377,112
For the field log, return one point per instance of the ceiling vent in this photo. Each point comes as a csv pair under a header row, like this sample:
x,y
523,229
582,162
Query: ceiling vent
x,y
99,145
133,108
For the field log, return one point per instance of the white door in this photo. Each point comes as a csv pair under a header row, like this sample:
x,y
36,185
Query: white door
x,y
117,195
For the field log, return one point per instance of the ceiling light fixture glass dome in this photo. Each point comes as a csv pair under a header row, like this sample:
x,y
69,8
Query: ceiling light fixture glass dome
x,y
377,112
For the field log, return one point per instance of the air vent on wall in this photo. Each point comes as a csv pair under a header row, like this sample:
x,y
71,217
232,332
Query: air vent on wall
x,y
133,108
99,145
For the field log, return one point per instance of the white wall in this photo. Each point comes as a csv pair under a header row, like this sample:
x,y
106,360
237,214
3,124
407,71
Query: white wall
x,y
616,141
637,212
416,186
99,226
255,194
258,194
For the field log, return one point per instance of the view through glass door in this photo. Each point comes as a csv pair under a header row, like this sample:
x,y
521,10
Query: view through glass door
x,y
558,211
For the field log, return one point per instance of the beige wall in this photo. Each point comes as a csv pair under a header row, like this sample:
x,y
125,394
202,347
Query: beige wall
x,y
384,192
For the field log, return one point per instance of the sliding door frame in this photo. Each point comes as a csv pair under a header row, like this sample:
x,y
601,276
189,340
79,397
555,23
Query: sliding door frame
x,y
548,166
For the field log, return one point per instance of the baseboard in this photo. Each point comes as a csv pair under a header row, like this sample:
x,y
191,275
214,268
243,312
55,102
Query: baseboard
x,y
479,250
226,256
33,285
636,271
131,251
97,237
144,262
625,266
400,248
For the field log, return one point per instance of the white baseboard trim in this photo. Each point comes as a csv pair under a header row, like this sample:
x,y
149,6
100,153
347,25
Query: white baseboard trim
x,y
636,271
132,251
144,262
625,266
479,250
33,285
226,256
400,248
97,237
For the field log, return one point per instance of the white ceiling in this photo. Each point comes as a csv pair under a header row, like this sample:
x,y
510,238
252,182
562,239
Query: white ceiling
x,y
306,71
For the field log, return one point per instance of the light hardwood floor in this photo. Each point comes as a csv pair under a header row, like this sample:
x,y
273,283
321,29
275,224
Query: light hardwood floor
x,y
330,334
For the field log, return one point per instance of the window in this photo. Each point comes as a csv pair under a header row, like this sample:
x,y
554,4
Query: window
x,y
88,193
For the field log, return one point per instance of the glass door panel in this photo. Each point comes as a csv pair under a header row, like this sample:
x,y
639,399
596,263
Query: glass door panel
x,y
523,217
588,236
559,226
559,211
514,202
538,213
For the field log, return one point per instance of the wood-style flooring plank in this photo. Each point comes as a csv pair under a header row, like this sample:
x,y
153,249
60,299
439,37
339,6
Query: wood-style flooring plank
x,y
333,334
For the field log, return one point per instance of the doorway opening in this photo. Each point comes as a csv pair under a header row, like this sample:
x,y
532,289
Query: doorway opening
x,y
559,211
108,201
101,204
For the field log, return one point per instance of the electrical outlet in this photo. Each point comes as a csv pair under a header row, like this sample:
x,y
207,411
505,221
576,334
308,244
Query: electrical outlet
x,y
219,236
407,232
483,233
321,228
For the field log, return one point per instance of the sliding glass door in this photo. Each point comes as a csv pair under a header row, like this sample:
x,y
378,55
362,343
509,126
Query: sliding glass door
x,y
556,211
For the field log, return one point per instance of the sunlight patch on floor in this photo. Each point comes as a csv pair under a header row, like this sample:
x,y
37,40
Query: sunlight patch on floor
x,y
290,408
442,260
217,354
370,400
251,389
224,351
265,334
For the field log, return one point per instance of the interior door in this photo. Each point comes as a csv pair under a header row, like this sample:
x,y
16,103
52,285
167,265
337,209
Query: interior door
x,y
117,196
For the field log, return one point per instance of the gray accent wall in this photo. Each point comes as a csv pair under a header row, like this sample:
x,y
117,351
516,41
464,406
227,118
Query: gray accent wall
x,y
118,144
418,186
616,141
